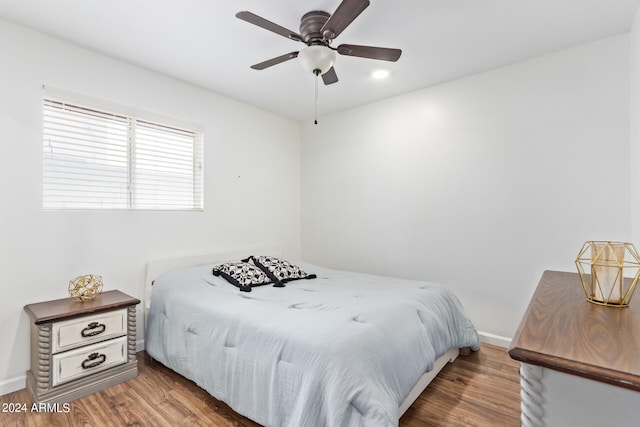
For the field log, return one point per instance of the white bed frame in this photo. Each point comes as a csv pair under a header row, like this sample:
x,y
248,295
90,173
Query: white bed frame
x,y
158,266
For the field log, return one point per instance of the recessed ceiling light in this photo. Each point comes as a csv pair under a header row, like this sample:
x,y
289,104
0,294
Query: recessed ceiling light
x,y
380,74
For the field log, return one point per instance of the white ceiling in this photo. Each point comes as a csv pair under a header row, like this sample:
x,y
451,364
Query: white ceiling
x,y
201,41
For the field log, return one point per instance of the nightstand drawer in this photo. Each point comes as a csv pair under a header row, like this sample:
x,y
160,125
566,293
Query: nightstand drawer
x,y
85,330
85,361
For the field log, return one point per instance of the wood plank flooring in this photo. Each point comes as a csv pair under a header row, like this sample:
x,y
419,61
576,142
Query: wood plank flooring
x,y
480,389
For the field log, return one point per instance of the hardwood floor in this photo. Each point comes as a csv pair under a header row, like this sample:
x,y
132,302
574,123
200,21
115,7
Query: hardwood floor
x,y
480,389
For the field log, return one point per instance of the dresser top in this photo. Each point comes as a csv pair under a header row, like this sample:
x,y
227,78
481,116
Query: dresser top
x,y
563,331
65,308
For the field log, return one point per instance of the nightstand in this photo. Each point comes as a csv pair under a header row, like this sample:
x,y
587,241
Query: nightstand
x,y
78,348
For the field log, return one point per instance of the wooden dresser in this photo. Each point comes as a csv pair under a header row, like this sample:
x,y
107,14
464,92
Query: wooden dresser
x,y
580,361
78,348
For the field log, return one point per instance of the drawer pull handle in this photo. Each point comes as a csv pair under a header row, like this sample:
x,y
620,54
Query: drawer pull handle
x,y
93,328
93,360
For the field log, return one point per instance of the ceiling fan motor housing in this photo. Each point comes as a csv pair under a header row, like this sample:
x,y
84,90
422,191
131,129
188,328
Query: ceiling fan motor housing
x,y
311,25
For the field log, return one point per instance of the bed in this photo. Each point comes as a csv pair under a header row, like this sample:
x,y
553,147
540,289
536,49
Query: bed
x,y
341,349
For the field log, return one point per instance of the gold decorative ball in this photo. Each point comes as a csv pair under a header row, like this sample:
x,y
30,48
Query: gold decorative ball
x,y
85,288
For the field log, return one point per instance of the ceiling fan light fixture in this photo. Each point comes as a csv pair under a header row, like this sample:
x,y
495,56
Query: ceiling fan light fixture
x,y
317,57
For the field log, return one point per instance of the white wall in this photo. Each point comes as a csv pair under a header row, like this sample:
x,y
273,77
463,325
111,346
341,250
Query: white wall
x,y
635,128
480,183
248,153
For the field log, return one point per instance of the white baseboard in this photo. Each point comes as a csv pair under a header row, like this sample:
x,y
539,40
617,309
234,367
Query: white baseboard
x,y
12,384
487,338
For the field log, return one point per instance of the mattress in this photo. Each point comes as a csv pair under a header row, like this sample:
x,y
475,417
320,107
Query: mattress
x,y
343,349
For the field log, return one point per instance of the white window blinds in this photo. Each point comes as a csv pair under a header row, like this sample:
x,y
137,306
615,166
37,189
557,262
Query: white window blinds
x,y
96,159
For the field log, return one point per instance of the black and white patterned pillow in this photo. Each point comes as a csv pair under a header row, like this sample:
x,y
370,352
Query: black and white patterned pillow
x,y
242,274
279,270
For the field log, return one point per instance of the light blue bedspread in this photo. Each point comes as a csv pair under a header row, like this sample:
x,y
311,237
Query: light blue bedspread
x,y
344,349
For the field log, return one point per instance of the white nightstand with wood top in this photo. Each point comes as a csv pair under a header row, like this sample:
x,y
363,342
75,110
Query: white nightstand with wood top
x,y
78,348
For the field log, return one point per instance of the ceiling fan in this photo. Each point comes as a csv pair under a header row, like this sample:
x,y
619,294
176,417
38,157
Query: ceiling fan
x,y
317,30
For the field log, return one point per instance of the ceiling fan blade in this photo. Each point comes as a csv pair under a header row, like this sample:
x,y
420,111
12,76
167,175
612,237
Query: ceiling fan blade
x,y
342,17
254,19
274,61
382,53
330,77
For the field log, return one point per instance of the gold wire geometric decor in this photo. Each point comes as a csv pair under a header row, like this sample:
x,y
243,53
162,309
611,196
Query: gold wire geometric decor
x,y
608,263
85,288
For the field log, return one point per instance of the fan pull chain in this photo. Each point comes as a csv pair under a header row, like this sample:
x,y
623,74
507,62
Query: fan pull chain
x,y
315,113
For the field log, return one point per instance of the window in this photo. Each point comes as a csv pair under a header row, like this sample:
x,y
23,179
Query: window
x,y
95,159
